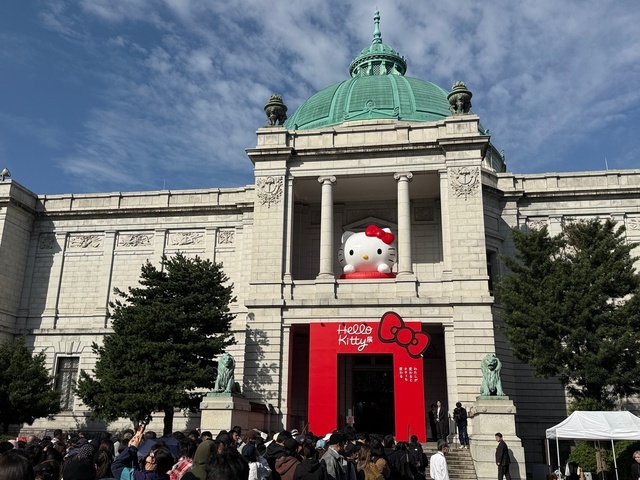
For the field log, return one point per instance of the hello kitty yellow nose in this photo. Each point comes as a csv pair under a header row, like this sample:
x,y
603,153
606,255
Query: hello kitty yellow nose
x,y
365,256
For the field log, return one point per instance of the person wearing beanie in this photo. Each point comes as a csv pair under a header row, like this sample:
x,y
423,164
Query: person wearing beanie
x,y
225,438
334,462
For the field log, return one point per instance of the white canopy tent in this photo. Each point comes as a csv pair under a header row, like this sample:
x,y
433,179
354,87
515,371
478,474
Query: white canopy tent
x,y
596,426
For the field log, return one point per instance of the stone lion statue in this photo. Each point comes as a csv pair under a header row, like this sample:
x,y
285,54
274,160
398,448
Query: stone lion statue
x,y
225,380
491,382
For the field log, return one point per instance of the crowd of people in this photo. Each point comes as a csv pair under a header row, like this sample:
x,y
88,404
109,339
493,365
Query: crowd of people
x,y
228,455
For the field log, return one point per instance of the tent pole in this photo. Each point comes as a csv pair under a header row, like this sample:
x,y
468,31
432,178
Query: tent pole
x,y
548,452
615,463
558,450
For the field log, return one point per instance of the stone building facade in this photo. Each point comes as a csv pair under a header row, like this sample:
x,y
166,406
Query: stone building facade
x,y
437,182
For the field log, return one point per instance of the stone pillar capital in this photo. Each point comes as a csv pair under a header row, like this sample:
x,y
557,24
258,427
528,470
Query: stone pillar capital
x,y
327,180
408,176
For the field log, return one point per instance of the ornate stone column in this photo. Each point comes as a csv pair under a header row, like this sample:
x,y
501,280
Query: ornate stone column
x,y
326,227
405,263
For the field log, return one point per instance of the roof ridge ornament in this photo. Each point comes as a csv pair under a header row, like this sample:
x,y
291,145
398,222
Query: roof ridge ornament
x,y
377,36
459,99
276,111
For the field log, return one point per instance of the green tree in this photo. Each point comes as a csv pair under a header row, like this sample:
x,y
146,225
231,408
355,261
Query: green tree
x,y
26,388
166,333
571,309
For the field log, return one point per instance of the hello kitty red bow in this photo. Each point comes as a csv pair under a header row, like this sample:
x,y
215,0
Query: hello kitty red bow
x,y
393,330
373,231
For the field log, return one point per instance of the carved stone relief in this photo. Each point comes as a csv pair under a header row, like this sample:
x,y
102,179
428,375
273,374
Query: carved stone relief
x,y
85,241
135,240
182,239
465,181
47,241
269,190
537,224
226,237
633,224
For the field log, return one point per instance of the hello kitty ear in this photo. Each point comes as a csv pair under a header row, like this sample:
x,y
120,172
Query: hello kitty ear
x,y
346,235
388,230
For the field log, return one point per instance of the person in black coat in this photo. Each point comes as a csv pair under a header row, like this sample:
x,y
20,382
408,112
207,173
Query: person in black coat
x,y
310,468
417,454
442,423
502,458
432,422
275,450
460,416
635,468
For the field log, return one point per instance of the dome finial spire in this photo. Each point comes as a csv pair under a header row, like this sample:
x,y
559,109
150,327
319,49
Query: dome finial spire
x,y
378,58
377,36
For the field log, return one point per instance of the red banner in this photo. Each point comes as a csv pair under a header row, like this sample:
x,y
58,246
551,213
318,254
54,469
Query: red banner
x,y
401,340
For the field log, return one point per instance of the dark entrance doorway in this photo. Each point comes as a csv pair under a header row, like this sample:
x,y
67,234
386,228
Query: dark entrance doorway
x,y
366,392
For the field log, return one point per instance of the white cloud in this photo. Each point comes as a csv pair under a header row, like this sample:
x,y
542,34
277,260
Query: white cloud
x,y
182,84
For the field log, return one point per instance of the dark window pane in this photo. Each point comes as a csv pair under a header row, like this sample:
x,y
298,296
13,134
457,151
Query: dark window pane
x,y
66,377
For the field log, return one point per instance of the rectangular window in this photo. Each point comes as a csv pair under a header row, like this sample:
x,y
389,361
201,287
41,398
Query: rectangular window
x,y
66,377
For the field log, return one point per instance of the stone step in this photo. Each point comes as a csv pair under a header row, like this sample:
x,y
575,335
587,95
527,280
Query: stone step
x,y
459,462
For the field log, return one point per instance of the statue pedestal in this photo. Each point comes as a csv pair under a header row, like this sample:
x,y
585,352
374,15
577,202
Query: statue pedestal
x,y
490,415
222,411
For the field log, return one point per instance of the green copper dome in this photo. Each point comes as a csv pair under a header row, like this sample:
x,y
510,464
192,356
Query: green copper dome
x,y
377,89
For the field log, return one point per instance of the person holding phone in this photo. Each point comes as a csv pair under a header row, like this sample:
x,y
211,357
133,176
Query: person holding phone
x,y
156,464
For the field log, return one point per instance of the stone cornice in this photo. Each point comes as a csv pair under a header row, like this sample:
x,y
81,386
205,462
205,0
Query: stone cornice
x,y
574,184
12,193
147,203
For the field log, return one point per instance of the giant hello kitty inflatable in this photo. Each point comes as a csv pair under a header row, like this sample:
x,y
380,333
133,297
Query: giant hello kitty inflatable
x,y
368,254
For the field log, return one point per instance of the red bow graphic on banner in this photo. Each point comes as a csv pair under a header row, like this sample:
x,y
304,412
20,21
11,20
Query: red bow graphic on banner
x,y
374,231
393,330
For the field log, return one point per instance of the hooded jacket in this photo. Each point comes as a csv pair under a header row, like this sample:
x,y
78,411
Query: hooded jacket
x,y
200,459
286,467
309,469
274,452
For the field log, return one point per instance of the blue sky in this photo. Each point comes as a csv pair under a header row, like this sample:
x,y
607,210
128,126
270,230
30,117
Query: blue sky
x,y
128,95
